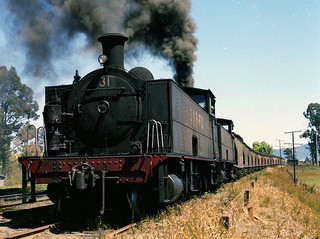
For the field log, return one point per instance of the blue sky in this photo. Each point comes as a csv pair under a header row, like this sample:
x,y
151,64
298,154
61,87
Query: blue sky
x,y
261,59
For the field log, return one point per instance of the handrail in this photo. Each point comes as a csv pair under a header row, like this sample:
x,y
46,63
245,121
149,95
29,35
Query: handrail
x,y
156,126
45,138
37,130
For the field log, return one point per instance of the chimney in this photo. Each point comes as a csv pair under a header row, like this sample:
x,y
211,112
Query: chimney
x,y
113,48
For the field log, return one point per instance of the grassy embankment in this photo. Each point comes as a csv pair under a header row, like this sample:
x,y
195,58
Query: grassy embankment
x,y
309,175
280,210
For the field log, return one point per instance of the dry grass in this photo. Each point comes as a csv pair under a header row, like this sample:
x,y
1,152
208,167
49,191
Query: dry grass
x,y
309,175
281,210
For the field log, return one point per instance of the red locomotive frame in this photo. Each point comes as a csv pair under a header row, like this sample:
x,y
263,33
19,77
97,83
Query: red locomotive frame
x,y
128,169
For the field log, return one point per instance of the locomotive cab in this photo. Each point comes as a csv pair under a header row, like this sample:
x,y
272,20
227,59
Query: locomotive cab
x,y
205,98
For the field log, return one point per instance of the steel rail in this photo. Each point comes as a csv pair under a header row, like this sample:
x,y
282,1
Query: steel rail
x,y
17,204
32,231
122,229
20,195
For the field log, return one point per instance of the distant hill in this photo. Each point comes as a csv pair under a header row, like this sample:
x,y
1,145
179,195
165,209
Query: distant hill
x,y
302,151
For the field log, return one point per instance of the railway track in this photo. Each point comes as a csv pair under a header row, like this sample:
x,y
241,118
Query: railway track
x,y
8,201
22,219
121,230
34,218
18,204
18,196
34,231
16,222
38,230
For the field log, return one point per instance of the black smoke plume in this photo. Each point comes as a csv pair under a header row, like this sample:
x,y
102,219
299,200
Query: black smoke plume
x,y
162,26
166,28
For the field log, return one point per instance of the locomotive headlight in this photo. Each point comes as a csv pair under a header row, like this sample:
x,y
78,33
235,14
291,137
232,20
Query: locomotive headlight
x,y
102,59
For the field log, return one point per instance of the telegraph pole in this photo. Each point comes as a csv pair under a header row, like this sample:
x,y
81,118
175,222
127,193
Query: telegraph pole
x,y
294,158
280,151
316,159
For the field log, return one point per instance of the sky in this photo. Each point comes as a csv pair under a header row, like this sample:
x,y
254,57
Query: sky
x,y
260,58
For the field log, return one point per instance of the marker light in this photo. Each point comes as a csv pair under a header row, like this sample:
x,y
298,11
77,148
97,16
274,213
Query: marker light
x,y
102,59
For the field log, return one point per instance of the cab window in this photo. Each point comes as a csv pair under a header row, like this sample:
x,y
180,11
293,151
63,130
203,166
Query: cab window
x,y
200,99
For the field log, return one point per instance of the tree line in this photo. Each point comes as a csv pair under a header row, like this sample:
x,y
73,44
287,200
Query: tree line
x,y
17,108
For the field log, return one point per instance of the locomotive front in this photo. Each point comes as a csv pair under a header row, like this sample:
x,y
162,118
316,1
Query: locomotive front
x,y
101,113
95,132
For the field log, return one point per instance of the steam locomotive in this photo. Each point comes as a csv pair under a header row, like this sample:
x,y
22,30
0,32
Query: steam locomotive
x,y
121,140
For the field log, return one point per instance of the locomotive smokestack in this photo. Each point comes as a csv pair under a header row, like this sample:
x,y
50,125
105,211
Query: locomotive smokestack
x,y
113,48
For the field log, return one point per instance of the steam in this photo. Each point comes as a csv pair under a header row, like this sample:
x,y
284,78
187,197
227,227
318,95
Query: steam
x,y
166,28
162,26
33,24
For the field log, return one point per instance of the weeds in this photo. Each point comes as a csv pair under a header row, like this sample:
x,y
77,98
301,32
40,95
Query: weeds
x,y
283,211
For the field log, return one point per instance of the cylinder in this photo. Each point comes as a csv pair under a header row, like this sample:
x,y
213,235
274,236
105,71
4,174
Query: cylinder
x,y
175,186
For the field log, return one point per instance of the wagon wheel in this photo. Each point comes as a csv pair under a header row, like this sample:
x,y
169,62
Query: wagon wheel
x,y
204,186
233,173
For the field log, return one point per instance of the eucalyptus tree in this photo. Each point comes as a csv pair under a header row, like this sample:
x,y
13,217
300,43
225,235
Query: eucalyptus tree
x,y
312,133
17,108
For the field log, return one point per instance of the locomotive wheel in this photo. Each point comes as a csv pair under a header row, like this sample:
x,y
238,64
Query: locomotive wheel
x,y
137,204
185,195
62,208
201,184
55,192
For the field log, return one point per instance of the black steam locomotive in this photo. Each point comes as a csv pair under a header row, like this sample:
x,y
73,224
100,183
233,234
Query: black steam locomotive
x,y
118,140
